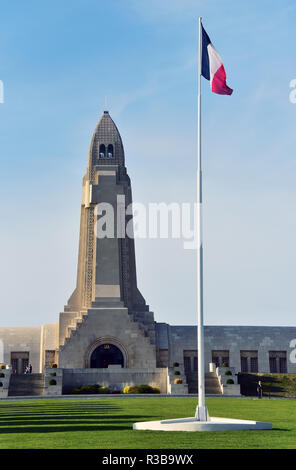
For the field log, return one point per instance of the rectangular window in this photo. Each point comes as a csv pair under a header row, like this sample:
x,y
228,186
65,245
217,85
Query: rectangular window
x,y
19,361
215,360
220,358
187,364
278,361
49,357
254,364
25,363
272,365
195,364
283,365
249,361
190,358
244,364
14,364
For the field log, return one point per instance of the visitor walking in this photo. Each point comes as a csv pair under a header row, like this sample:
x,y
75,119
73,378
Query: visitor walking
x,y
259,389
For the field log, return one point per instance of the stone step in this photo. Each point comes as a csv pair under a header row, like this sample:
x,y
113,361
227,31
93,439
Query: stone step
x,y
26,385
212,386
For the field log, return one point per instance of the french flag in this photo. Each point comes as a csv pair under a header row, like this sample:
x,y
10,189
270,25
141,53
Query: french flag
x,y
212,68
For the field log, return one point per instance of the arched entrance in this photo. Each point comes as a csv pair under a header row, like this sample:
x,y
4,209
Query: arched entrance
x,y
106,354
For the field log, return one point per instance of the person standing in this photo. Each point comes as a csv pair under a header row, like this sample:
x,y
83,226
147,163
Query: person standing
x,y
30,368
259,389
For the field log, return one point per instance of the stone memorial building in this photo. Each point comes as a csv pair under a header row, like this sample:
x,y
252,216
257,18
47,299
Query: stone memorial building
x,y
107,333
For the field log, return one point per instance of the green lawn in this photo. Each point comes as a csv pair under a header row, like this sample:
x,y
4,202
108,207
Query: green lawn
x,y
107,424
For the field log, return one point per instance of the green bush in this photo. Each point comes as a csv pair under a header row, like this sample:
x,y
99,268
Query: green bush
x,y
175,364
230,382
228,372
90,389
53,374
2,375
52,382
140,389
176,372
2,366
224,364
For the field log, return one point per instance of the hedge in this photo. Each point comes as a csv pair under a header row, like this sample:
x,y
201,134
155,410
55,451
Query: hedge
x,y
140,389
90,389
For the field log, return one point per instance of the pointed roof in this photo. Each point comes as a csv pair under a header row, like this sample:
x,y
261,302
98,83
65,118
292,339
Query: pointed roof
x,y
106,130
106,133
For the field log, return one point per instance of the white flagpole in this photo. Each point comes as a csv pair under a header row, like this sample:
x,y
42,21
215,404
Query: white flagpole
x,y
201,410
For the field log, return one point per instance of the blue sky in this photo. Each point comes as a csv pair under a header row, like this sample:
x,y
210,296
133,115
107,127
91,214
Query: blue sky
x,y
58,61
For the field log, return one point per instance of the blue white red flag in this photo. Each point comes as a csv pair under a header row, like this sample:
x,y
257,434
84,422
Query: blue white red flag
x,y
212,68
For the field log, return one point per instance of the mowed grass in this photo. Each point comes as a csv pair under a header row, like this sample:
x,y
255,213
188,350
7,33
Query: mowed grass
x,y
107,424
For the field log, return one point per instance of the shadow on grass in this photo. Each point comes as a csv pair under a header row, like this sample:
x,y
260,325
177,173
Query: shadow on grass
x,y
60,413
281,429
4,424
63,429
45,410
56,406
65,417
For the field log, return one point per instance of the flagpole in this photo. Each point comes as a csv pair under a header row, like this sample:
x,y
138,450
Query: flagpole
x,y
201,410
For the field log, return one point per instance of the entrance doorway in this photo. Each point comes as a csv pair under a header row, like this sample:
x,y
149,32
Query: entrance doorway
x,y
19,361
105,355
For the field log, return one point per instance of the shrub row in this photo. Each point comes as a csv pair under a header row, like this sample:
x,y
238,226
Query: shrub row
x,y
90,389
140,389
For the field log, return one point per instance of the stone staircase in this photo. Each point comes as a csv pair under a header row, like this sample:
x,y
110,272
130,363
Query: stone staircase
x,y
74,326
26,385
143,320
212,385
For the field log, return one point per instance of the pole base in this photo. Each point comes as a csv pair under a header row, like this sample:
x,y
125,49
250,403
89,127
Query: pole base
x,y
191,424
202,413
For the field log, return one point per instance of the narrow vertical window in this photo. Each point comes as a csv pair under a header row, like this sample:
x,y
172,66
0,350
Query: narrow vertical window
x,y
102,151
110,151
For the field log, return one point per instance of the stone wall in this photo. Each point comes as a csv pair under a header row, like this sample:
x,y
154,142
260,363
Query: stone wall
x,y
234,339
118,379
4,382
49,342
22,339
107,325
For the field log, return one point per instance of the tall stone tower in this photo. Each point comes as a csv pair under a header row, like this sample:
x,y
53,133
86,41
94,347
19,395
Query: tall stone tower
x,y
106,320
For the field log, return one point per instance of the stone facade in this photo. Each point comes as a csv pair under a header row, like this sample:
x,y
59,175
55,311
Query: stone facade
x,y
244,348
107,326
107,314
106,307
